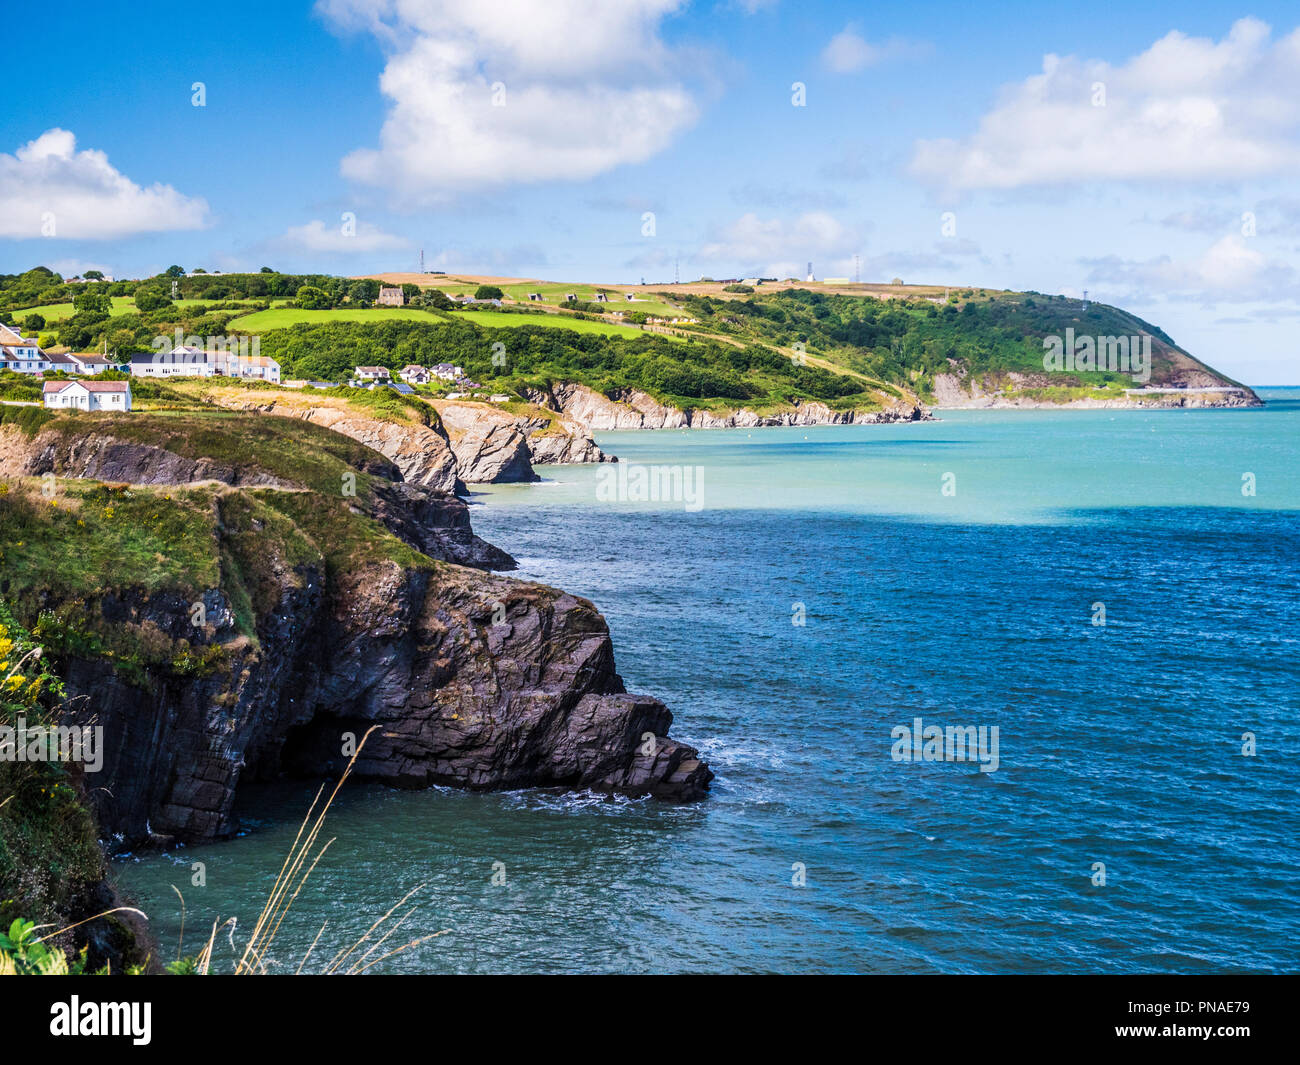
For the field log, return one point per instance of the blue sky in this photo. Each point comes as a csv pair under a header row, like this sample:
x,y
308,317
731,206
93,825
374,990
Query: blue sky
x,y
935,142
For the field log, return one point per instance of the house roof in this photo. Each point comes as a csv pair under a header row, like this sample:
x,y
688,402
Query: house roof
x,y
373,369
89,386
411,366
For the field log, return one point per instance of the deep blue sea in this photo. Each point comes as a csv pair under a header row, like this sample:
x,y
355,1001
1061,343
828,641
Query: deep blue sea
x,y
817,851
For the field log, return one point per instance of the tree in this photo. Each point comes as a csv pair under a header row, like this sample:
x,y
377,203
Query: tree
x,y
174,271
266,270
94,275
363,293
437,299
489,292
33,322
312,298
90,302
151,299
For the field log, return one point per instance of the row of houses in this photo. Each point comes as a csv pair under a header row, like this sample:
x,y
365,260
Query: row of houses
x,y
410,373
187,361
24,355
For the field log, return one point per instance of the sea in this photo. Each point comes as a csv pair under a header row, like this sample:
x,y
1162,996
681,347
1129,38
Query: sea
x,y
1105,603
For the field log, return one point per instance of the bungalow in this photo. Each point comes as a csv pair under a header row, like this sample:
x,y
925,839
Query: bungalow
x,y
570,297
87,395
89,362
372,373
391,296
599,297
629,296
445,371
414,375
536,297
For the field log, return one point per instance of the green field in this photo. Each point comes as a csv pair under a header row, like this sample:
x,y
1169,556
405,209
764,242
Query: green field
x,y
554,292
58,312
283,317
502,320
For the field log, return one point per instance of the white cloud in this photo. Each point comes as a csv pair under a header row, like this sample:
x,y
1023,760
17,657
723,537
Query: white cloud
x,y
48,183
849,52
1186,109
777,247
77,267
1229,270
586,88
319,238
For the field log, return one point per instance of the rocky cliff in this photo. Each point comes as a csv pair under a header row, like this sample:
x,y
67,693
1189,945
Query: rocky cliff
x,y
289,618
468,442
629,408
1041,391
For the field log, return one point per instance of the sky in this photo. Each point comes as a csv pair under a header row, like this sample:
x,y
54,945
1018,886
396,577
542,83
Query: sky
x,y
1148,157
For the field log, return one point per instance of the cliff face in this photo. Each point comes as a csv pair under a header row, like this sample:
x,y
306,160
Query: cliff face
x,y
472,443
422,453
1193,389
460,700
329,615
633,409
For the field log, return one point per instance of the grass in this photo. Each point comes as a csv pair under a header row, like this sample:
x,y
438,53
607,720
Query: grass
x,y
88,537
501,319
283,317
289,449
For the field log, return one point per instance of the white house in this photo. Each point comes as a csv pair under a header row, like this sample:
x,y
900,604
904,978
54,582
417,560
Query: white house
x,y
372,373
87,395
414,375
195,362
445,371
21,354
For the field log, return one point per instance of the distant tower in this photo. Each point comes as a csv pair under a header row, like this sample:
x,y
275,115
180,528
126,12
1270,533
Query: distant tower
x,y
857,268
1085,299
677,274
421,260
810,273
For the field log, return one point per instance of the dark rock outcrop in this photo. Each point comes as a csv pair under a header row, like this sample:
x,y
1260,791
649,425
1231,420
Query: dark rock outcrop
x,y
474,681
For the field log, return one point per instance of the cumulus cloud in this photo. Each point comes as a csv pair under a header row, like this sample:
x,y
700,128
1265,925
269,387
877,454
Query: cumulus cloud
x,y
490,93
49,189
849,52
1186,109
319,238
1229,270
778,247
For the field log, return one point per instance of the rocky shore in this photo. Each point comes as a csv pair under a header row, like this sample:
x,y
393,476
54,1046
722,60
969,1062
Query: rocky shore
x,y
633,409
379,611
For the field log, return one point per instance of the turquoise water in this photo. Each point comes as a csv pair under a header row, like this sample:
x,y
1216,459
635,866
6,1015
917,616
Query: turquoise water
x,y
1119,745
